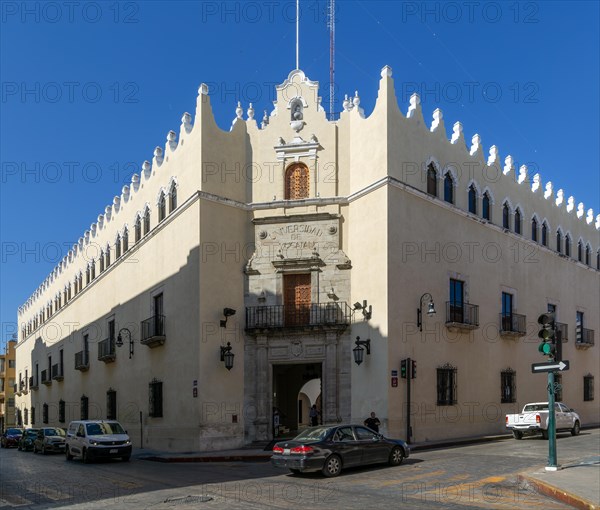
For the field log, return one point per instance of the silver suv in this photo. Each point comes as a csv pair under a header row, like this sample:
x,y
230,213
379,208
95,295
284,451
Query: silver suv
x,y
97,439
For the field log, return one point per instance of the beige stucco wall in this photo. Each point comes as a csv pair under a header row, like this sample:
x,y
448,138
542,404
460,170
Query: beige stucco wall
x,y
392,243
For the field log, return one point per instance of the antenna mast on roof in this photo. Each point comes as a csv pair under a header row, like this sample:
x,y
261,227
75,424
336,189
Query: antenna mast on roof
x,y
331,26
297,34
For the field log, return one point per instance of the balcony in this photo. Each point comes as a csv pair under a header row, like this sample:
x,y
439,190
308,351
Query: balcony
x,y
33,383
317,316
584,338
82,361
513,324
57,372
153,331
462,316
106,350
563,330
46,377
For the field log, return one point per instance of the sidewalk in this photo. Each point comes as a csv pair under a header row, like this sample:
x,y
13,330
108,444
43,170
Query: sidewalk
x,y
576,484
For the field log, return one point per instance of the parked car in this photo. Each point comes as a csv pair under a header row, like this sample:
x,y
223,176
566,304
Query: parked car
x,y
11,437
27,439
49,439
97,439
534,419
329,449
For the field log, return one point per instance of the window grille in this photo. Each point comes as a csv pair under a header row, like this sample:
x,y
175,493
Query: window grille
x,y
588,388
446,385
111,404
508,386
156,398
45,413
84,403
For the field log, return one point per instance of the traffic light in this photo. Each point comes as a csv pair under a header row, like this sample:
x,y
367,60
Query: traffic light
x,y
413,369
547,334
403,367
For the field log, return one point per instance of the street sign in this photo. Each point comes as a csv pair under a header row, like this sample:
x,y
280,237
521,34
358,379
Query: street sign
x,y
550,366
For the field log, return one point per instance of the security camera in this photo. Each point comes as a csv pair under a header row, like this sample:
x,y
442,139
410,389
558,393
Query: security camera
x,y
228,312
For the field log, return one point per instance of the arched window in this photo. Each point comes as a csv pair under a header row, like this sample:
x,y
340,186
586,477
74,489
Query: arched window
x,y
297,182
431,181
449,188
125,240
518,229
472,199
568,245
588,256
534,229
162,212
138,228
558,241
579,251
146,221
172,198
544,234
107,254
506,216
485,209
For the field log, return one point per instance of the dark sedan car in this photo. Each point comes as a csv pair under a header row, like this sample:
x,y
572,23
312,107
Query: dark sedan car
x,y
27,439
49,439
11,437
330,448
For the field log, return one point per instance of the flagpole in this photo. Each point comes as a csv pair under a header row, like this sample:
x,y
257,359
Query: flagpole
x,y
297,34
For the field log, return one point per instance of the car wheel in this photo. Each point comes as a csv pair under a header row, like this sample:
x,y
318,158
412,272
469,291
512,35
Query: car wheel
x,y
85,456
332,466
517,434
576,428
396,456
544,434
68,454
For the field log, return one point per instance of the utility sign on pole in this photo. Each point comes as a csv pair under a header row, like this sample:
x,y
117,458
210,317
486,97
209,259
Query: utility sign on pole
x,y
550,366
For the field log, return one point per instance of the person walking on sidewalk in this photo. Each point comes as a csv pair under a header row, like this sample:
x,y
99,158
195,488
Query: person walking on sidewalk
x,y
373,422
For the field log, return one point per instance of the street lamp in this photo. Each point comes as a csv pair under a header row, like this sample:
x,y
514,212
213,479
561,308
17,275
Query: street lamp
x,y
119,342
227,356
430,309
359,352
367,310
227,312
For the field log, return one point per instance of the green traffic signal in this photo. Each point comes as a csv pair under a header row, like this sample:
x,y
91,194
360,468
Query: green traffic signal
x,y
545,348
547,333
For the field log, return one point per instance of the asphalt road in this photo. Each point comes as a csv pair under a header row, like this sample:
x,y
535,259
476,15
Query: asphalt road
x,y
476,476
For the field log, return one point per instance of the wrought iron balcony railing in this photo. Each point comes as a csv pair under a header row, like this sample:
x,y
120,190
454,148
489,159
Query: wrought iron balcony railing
x,y
46,377
584,337
153,331
563,329
107,350
462,315
513,324
317,315
57,372
82,360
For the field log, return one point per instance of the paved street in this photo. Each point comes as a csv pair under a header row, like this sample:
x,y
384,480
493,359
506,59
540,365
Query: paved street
x,y
476,476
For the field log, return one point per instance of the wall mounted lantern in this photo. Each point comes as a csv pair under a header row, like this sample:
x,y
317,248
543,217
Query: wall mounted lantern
x,y
227,356
227,312
359,352
430,309
119,342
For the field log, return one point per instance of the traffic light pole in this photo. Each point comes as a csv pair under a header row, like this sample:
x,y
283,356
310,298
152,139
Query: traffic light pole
x,y
408,379
552,461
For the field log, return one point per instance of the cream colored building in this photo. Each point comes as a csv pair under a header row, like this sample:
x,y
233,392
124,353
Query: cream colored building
x,y
292,222
8,416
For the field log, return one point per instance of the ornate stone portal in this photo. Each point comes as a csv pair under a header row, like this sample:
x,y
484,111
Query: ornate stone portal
x,y
297,313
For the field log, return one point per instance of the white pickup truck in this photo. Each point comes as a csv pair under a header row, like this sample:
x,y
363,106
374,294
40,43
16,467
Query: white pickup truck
x,y
534,418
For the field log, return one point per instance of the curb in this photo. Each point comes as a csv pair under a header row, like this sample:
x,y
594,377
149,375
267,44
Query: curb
x,y
557,494
213,458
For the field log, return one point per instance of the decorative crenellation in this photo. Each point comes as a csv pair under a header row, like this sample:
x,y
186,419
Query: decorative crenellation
x,y
75,254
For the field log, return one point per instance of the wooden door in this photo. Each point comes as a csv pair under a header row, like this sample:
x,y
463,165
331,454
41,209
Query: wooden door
x,y
296,296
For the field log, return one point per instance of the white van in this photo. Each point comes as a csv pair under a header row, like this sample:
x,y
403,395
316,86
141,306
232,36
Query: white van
x,y
97,439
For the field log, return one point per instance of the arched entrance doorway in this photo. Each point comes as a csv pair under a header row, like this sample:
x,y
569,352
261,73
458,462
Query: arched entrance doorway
x,y
296,387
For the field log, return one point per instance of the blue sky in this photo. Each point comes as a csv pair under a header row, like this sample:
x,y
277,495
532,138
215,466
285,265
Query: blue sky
x,y
89,90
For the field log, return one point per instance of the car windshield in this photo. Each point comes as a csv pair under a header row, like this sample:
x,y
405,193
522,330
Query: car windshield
x,y
99,429
313,434
55,432
13,431
31,432
530,408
